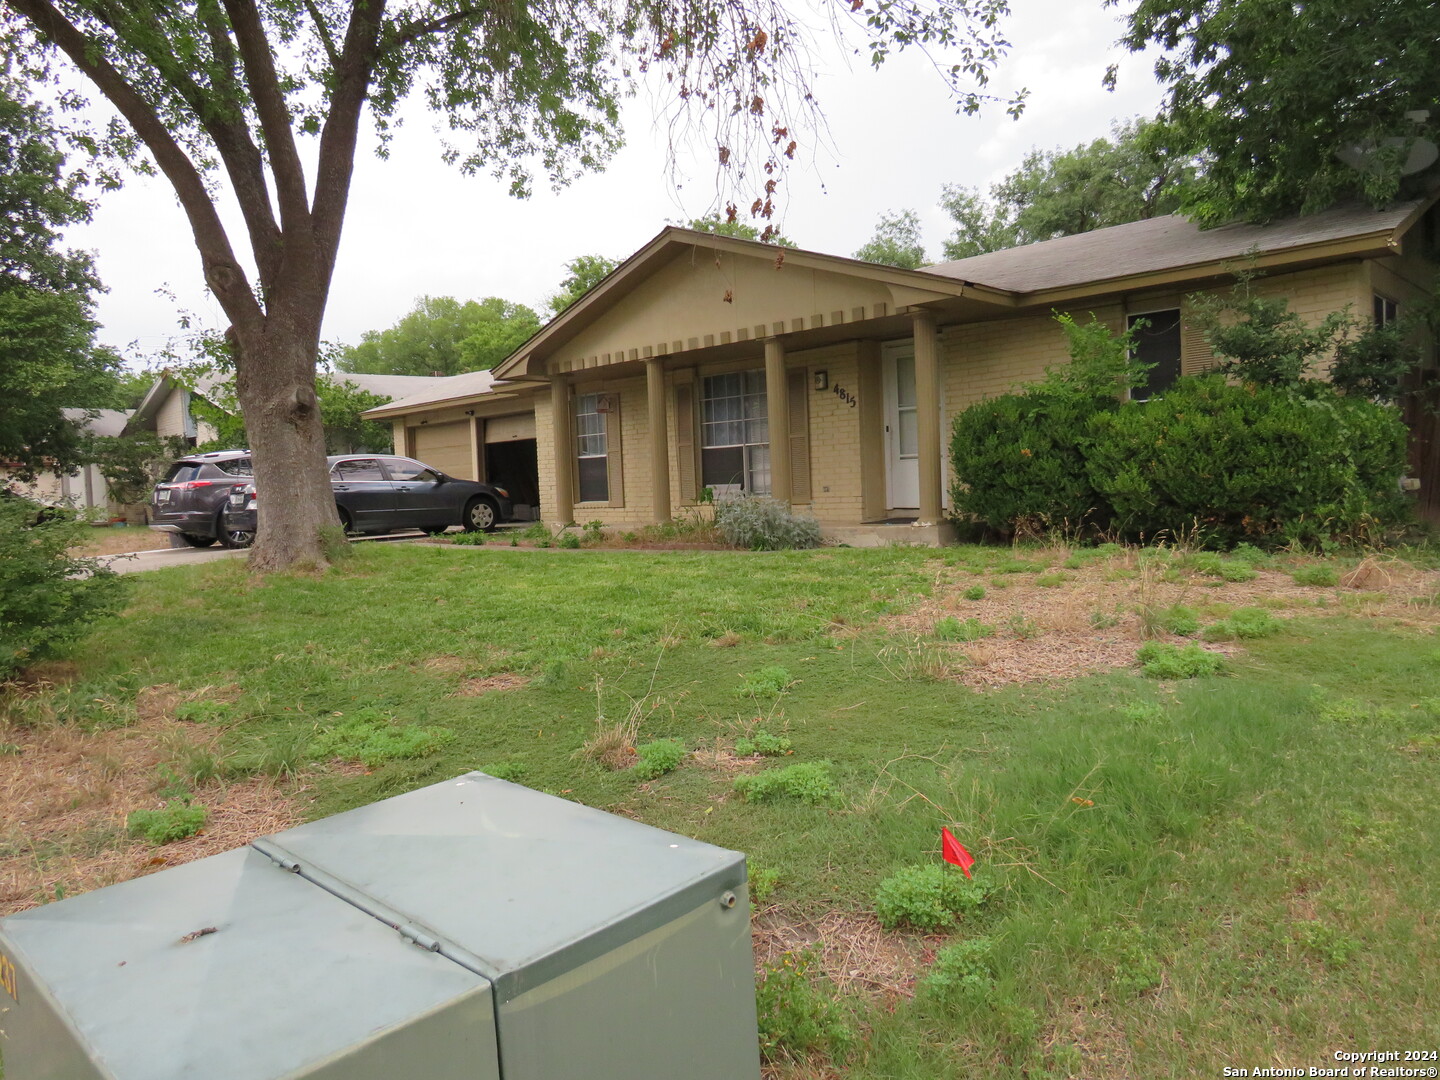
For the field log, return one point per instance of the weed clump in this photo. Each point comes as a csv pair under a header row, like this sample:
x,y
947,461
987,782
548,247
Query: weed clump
x,y
1244,624
927,897
760,523
762,743
469,539
373,739
974,592
658,758
1159,660
796,1015
770,681
952,629
177,821
806,781
1181,621
1319,575
962,974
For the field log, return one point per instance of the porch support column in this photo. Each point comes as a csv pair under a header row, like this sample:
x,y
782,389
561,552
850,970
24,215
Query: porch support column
x,y
777,410
564,509
659,441
927,415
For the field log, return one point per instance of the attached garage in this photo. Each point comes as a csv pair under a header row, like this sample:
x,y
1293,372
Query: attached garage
x,y
446,447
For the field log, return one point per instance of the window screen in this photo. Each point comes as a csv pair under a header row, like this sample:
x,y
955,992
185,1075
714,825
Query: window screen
x,y
1157,342
735,432
591,449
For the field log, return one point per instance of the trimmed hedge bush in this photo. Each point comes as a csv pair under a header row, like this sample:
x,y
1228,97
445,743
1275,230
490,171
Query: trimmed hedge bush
x,y
1265,464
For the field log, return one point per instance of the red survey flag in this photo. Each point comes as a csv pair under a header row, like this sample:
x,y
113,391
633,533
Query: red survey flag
x,y
952,851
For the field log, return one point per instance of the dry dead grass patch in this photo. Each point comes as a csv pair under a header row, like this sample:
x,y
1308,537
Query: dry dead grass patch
x,y
852,948
477,686
119,541
1099,614
65,795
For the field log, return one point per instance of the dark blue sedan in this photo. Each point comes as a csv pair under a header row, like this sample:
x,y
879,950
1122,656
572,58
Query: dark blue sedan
x,y
376,494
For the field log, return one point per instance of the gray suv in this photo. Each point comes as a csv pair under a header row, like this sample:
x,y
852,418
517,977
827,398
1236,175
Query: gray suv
x,y
191,499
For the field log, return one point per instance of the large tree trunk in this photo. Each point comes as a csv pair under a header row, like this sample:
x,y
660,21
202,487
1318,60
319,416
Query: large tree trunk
x,y
275,382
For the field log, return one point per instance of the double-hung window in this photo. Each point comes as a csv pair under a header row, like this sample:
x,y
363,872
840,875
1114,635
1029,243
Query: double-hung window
x,y
735,433
1157,343
591,449
1386,311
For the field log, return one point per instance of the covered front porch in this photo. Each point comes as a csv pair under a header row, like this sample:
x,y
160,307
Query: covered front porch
x,y
700,370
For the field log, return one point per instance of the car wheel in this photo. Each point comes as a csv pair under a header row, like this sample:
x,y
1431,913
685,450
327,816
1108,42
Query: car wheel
x,y
196,540
481,515
236,538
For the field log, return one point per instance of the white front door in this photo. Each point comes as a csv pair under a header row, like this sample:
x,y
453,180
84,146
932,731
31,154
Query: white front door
x,y
902,429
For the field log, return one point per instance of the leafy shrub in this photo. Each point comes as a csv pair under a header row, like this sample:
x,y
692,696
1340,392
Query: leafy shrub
x,y
805,781
1319,575
928,896
974,592
1254,463
1160,660
796,1016
1244,624
962,974
658,758
47,598
771,680
469,539
953,629
372,739
762,743
1020,460
760,523
178,820
568,540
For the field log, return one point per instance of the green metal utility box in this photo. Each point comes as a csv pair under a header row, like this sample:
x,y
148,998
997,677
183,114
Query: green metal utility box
x,y
474,929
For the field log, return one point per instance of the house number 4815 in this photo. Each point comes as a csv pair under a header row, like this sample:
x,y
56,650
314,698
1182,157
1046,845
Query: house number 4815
x,y
844,395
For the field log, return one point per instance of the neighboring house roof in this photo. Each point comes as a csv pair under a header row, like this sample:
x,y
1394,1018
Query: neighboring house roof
x,y
1171,243
99,421
389,386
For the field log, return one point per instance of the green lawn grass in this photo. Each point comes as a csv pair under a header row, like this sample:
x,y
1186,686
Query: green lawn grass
x,y
1231,870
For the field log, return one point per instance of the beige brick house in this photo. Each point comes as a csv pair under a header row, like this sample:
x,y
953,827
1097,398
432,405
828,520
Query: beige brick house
x,y
830,383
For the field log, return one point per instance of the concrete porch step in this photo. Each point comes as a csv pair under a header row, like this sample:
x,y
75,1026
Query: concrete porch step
x,y
884,534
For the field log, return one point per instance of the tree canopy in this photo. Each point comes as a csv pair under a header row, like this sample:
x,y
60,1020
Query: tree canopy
x,y
1131,176
1292,107
582,274
48,357
896,241
443,336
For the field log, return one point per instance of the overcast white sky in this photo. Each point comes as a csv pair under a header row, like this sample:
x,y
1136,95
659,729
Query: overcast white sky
x,y
417,227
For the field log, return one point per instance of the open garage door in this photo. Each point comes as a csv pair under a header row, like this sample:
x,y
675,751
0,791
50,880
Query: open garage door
x,y
510,460
445,447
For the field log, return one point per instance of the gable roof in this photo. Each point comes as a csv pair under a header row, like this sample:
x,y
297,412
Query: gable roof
x,y
98,421
901,287
1173,243
388,386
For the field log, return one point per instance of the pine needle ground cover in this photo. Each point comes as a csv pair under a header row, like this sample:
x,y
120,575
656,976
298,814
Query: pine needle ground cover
x,y
1179,874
